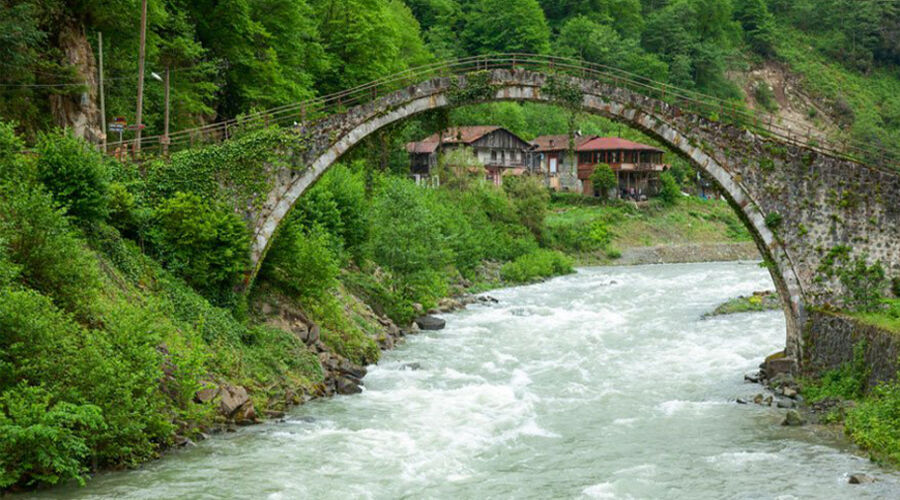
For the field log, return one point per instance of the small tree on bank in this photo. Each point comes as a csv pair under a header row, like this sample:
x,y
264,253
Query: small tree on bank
x,y
603,179
669,191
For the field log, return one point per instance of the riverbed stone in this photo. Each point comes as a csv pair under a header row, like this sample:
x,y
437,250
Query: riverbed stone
x,y
233,398
789,392
430,323
347,385
793,419
206,395
861,479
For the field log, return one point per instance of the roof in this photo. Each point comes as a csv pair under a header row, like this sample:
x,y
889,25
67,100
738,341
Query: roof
x,y
615,143
558,142
453,135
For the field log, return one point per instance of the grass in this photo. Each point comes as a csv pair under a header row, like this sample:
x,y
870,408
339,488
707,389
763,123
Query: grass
x,y
606,229
759,301
886,319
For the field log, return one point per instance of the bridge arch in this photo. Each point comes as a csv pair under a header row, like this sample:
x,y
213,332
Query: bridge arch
x,y
728,154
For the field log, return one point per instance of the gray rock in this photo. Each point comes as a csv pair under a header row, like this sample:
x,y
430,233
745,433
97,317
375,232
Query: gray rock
x,y
430,323
233,398
785,403
758,399
789,392
793,419
861,479
752,378
741,401
206,395
411,366
347,385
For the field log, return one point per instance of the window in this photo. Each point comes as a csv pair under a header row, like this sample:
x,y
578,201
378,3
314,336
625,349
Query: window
x,y
493,156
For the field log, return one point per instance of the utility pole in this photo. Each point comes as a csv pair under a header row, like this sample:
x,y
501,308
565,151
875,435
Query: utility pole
x,y
102,94
165,141
140,97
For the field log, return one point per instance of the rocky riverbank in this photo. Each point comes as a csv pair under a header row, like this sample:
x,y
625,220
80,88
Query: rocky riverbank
x,y
236,405
780,389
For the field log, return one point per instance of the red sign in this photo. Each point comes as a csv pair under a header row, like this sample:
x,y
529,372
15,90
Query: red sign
x,y
136,127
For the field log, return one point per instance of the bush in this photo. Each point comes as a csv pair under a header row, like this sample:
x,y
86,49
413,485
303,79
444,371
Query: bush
x,y
42,441
773,220
206,244
669,191
75,174
895,287
536,265
302,262
530,199
603,179
40,243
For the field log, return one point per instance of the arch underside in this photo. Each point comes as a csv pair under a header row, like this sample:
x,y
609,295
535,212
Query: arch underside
x,y
653,124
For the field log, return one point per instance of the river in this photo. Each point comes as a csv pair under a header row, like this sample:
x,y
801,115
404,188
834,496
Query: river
x,y
602,384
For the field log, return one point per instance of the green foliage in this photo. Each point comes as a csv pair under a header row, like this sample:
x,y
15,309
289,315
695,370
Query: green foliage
x,y
536,265
895,287
603,179
524,27
302,262
670,191
42,441
205,243
74,173
846,382
530,200
773,220
863,284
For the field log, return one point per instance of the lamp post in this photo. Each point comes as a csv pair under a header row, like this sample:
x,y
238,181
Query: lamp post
x,y
165,138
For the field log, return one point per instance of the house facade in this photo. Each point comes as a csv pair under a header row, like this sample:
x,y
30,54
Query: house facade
x,y
555,163
500,151
637,166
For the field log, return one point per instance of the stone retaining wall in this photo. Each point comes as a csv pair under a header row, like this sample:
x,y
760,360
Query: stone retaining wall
x,y
829,340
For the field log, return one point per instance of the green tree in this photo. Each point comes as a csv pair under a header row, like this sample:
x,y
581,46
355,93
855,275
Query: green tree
x,y
669,191
758,24
603,179
498,26
75,174
204,243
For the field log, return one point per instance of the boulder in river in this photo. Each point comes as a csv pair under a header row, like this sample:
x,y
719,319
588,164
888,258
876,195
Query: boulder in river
x,y
430,323
347,385
861,479
793,419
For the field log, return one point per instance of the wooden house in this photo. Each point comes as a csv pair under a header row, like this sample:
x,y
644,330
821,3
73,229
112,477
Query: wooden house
x,y
554,161
499,150
637,166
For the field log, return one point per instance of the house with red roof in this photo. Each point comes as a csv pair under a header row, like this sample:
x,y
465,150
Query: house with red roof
x,y
500,151
553,161
637,166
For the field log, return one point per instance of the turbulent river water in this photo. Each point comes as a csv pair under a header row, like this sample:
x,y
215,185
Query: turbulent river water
x,y
602,384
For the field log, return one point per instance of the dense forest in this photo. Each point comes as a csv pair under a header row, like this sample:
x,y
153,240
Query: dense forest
x,y
118,285
231,57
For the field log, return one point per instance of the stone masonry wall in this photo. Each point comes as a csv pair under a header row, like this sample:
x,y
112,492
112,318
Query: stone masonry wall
x,y
829,340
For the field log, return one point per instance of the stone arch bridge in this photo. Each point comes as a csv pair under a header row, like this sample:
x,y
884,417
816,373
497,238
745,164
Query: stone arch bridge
x,y
798,200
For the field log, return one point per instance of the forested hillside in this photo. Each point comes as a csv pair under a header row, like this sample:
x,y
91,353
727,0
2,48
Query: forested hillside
x,y
230,57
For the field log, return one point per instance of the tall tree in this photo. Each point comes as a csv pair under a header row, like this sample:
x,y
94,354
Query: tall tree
x,y
497,26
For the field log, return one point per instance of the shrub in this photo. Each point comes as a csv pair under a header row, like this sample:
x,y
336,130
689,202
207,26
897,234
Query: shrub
x,y
205,243
895,287
530,199
75,174
40,243
42,441
536,265
669,191
603,179
302,262
773,220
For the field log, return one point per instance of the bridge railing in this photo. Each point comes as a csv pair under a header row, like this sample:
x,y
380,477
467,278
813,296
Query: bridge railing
x,y
679,100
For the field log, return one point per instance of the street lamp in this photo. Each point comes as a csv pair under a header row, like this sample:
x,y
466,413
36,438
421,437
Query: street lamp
x,y
165,138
